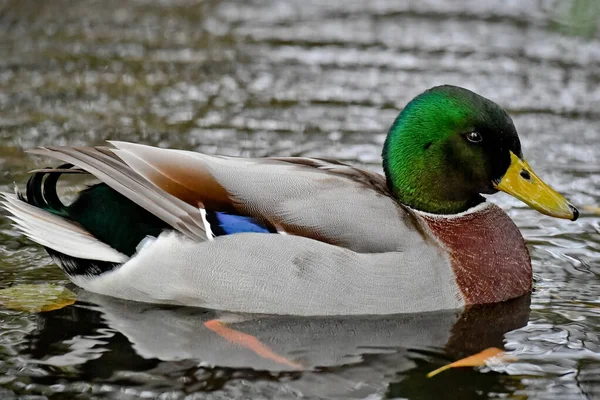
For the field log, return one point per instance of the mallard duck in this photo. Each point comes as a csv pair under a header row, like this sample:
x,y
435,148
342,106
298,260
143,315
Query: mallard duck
x,y
299,235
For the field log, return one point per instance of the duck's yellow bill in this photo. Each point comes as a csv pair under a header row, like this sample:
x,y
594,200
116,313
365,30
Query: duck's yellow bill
x,y
521,182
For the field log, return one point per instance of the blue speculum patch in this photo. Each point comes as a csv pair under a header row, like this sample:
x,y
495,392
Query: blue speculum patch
x,y
226,224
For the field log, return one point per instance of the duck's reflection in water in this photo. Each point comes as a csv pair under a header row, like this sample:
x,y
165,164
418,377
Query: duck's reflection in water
x,y
324,357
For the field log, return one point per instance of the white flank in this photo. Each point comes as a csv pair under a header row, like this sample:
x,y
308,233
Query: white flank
x,y
280,274
57,233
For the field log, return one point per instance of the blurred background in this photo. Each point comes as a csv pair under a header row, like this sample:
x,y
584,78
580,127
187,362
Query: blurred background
x,y
314,78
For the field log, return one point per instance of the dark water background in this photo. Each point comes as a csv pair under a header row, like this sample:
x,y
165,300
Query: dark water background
x,y
313,78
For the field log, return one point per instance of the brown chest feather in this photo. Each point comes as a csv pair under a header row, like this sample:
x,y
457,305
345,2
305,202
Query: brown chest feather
x,y
487,252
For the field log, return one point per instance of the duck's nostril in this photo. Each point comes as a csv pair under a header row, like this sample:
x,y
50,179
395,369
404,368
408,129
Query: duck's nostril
x,y
525,174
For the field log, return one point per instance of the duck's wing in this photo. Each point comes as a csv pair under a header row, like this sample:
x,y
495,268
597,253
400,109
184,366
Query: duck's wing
x,y
319,199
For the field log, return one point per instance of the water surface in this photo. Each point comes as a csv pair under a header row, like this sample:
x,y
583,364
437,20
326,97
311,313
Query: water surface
x,y
309,78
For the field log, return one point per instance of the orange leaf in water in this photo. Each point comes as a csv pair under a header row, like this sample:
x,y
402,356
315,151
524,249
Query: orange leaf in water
x,y
249,342
476,360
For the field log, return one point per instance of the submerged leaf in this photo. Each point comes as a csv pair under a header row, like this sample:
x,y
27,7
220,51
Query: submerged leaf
x,y
587,304
36,298
476,360
249,342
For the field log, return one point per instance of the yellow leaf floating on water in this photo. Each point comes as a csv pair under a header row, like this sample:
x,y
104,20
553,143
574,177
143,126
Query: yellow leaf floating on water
x,y
592,209
36,298
476,360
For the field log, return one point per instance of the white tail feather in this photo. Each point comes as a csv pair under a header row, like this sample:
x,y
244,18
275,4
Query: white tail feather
x,y
57,233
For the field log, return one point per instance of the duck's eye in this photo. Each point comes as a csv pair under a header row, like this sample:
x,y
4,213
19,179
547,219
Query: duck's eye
x,y
474,137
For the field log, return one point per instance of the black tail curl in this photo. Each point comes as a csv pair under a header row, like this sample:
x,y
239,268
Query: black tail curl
x,y
41,189
41,193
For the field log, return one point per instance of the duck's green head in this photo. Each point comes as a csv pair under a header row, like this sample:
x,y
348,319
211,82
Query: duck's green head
x,y
450,145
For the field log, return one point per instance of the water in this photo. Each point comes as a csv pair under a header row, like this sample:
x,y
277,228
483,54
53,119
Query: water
x,y
302,78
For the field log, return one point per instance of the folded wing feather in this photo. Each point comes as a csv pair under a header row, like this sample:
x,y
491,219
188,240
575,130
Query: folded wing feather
x,y
107,167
